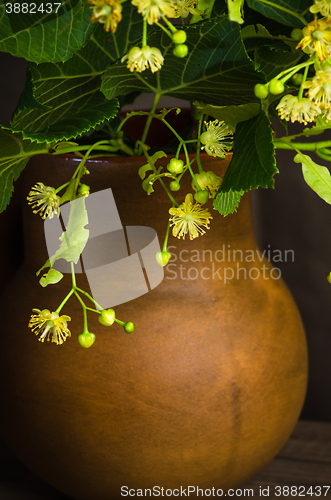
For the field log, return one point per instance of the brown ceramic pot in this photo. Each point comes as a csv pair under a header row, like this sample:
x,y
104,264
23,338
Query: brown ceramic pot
x,y
206,390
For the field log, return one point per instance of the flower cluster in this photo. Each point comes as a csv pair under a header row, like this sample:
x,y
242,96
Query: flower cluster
x,y
109,13
314,97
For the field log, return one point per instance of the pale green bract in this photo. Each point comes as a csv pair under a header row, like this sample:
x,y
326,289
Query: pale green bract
x,y
73,240
316,176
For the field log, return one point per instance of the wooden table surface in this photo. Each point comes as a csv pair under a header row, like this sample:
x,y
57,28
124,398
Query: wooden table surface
x,y
305,461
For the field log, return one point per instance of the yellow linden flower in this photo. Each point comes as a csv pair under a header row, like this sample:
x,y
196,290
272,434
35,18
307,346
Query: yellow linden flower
x,y
107,12
322,6
319,88
189,219
152,10
51,326
140,59
214,139
208,181
44,200
185,7
302,110
317,38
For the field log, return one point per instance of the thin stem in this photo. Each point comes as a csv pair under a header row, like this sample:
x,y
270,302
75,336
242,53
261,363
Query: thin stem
x,y
308,146
126,149
163,120
300,94
199,145
178,149
61,187
326,157
89,297
85,329
144,41
168,23
65,300
122,323
77,149
294,69
164,29
189,167
94,310
165,243
150,117
73,276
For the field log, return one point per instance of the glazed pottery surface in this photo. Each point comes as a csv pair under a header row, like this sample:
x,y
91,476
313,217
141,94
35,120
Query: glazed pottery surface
x,y
204,392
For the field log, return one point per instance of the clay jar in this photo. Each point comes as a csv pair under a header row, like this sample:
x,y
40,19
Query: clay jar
x,y
204,392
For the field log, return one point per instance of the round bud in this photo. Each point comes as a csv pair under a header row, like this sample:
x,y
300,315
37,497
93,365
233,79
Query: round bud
x,y
162,258
202,196
296,34
174,186
86,339
107,317
276,87
297,79
180,50
84,189
261,91
329,278
175,166
128,327
179,37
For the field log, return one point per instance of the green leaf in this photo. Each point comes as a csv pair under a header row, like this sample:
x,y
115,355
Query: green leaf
x,y
258,31
217,69
151,162
283,11
253,162
75,237
271,60
27,99
72,89
317,177
45,37
231,115
148,183
142,171
227,203
15,152
51,277
72,124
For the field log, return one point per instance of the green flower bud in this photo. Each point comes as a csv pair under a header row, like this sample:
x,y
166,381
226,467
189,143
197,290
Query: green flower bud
x,y
107,317
86,339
